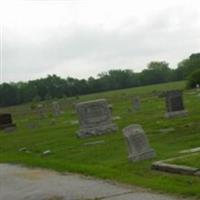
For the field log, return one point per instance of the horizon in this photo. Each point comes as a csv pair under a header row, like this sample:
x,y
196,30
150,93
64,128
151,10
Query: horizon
x,y
85,78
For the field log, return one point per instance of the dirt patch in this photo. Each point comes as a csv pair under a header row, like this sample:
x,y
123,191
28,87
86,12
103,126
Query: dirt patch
x,y
33,174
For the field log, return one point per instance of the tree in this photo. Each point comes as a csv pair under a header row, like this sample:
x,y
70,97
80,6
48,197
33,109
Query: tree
x,y
55,87
194,79
9,94
156,72
187,66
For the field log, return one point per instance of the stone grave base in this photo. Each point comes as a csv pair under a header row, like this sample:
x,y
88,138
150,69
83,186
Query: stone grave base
x,y
99,130
177,169
5,126
165,166
181,113
143,156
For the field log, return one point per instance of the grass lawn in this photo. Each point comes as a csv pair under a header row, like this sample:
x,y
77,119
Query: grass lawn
x,y
192,161
108,160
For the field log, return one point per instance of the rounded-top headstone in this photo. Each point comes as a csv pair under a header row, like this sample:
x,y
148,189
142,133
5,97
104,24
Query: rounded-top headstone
x,y
138,145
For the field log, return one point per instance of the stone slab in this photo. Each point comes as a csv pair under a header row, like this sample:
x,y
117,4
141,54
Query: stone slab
x,y
182,113
197,173
193,150
172,168
10,129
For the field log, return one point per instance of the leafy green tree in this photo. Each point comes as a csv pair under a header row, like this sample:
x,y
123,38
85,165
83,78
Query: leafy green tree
x,y
9,94
187,66
194,79
156,72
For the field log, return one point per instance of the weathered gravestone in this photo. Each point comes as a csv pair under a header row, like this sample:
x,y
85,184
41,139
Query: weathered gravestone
x,y
138,145
94,118
136,103
40,110
56,108
6,121
110,107
174,104
197,87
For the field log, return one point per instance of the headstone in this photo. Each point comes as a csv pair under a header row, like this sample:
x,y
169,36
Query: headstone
x,y
136,103
22,149
174,104
138,145
110,107
197,87
94,118
6,121
40,110
47,152
56,108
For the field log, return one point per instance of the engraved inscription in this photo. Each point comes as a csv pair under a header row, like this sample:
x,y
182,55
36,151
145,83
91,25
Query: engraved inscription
x,y
94,117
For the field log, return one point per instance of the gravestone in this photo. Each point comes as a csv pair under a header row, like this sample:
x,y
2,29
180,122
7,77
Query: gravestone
x,y
174,104
136,103
94,118
56,108
110,107
197,87
138,145
40,110
6,121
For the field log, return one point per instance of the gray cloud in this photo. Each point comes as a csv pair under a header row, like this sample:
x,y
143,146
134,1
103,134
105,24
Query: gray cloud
x,y
81,51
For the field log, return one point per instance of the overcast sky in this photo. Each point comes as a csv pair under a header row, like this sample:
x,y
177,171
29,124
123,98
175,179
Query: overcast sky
x,y
81,38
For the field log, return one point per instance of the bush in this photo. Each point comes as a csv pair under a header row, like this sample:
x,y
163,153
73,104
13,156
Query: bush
x,y
194,79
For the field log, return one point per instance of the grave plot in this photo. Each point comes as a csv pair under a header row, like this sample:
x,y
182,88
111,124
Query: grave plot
x,y
188,164
190,160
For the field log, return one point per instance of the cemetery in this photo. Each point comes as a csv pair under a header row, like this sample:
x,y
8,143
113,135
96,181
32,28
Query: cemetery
x,y
124,144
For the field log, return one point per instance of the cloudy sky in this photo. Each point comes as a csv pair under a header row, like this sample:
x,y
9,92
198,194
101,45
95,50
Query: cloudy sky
x,y
81,38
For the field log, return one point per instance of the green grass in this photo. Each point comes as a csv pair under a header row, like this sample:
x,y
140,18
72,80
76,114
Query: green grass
x,y
109,160
192,161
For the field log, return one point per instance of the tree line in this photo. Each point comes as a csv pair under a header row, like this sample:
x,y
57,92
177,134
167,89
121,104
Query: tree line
x,y
55,87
